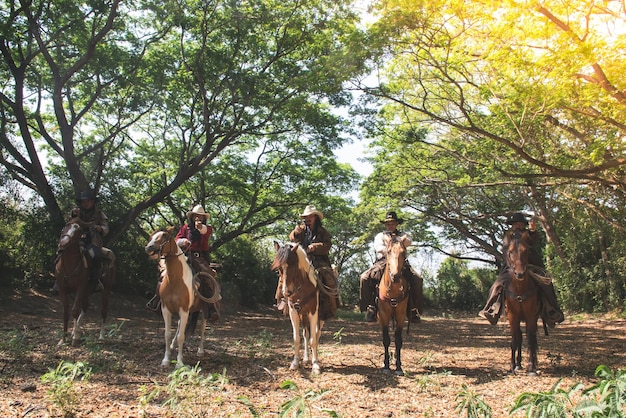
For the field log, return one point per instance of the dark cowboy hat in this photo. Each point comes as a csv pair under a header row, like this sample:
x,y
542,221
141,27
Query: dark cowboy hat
x,y
392,216
87,195
517,217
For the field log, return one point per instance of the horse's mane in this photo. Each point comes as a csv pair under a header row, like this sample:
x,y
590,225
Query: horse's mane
x,y
285,252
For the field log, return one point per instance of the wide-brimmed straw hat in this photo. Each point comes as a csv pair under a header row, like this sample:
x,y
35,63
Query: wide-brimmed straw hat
x,y
312,210
517,217
198,210
392,216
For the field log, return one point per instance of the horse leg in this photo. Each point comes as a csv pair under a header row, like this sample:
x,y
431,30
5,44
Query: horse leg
x,y
398,341
295,325
205,314
78,312
306,339
106,295
531,337
386,344
516,343
180,334
167,319
65,303
315,338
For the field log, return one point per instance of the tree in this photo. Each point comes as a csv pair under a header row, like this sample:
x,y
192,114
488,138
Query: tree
x,y
135,100
495,107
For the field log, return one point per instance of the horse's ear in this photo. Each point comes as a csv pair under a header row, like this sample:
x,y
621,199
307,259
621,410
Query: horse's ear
x,y
276,245
170,230
406,241
295,247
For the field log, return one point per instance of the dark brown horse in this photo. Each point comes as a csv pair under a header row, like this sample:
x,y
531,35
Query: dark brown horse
x,y
300,288
180,292
72,276
393,292
522,302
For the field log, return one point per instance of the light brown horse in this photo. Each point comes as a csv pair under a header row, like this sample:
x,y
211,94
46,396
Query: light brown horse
x,y
71,273
303,296
522,302
179,292
393,292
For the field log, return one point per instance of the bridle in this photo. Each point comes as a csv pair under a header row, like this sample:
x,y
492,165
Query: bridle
x,y
61,249
394,302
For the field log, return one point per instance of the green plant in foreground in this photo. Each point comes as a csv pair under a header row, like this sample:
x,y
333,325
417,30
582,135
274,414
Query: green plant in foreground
x,y
338,335
609,395
185,391
62,392
471,405
300,405
554,404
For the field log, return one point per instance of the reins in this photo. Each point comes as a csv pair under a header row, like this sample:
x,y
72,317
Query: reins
x,y
62,271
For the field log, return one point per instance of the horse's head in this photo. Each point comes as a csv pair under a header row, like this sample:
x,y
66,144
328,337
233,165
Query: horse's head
x,y
71,233
161,244
517,254
292,265
395,254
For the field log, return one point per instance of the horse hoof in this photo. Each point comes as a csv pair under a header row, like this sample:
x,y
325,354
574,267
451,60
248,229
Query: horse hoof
x,y
315,369
200,352
399,372
165,363
293,366
386,370
532,373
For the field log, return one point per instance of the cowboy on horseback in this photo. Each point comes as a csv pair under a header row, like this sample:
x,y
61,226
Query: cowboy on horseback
x,y
370,278
551,312
193,240
316,241
95,226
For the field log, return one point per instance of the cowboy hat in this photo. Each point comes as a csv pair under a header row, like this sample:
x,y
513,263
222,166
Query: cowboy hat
x,y
392,216
198,210
311,210
517,217
87,195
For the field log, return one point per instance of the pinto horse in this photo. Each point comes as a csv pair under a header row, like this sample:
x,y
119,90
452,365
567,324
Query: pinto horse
x,y
71,271
179,292
522,302
303,296
393,292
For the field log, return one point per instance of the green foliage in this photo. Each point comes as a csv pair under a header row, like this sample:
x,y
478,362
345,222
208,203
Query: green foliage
x,y
554,403
471,405
608,396
246,277
455,287
185,393
301,404
461,143
62,392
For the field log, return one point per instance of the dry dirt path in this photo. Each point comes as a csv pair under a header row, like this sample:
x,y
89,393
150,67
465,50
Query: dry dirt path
x,y
252,351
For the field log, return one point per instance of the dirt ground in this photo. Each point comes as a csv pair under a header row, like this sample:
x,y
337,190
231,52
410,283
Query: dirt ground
x,y
248,354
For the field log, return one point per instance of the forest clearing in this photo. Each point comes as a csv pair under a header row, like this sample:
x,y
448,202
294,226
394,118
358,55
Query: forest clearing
x,y
245,369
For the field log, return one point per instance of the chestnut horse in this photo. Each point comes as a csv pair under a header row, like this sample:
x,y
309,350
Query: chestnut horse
x,y
179,292
300,288
522,302
71,271
393,292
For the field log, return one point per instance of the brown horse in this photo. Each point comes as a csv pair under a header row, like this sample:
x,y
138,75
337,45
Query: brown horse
x,y
180,292
71,272
300,288
522,302
393,292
